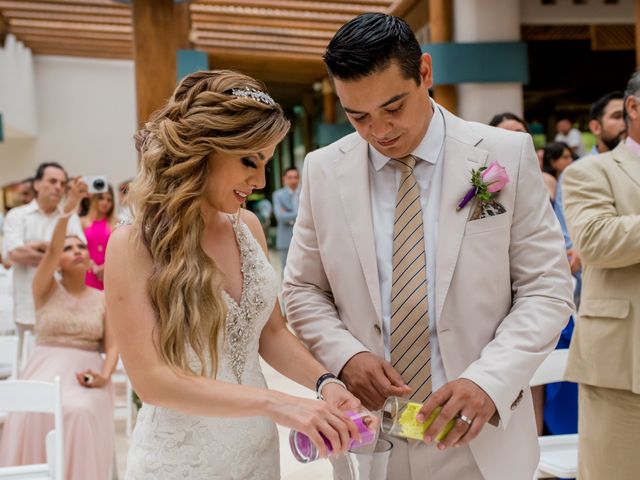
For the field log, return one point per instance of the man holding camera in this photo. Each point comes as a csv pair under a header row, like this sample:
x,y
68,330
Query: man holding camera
x,y
27,231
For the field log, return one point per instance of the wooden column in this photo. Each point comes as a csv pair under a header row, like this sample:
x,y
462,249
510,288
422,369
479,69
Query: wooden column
x,y
157,34
308,106
441,27
329,102
182,22
4,30
637,24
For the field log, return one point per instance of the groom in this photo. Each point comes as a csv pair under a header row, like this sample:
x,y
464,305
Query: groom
x,y
400,292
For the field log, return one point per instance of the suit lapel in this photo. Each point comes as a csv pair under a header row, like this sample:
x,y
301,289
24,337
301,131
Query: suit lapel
x,y
460,157
629,162
352,174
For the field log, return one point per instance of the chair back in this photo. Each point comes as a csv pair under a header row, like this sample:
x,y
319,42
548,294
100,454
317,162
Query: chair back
x,y
552,368
38,397
9,356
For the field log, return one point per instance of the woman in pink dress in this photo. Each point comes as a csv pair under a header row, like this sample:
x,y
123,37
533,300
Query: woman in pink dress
x,y
98,224
70,331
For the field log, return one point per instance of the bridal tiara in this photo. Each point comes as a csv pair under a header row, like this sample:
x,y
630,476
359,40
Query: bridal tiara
x,y
257,95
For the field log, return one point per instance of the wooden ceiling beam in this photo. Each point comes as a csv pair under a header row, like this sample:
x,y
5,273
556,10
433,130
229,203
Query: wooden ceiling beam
x,y
64,17
103,54
262,30
62,8
78,46
89,42
57,25
205,38
401,7
108,3
82,54
382,3
210,22
263,46
279,60
296,5
75,34
249,12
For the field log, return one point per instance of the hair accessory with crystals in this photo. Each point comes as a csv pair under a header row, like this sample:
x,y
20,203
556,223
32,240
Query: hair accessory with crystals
x,y
257,95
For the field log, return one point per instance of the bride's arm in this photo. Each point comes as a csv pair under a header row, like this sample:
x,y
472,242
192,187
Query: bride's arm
x,y
281,349
132,316
287,354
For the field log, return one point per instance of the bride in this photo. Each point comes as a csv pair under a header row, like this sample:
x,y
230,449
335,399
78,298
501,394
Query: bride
x,y
192,295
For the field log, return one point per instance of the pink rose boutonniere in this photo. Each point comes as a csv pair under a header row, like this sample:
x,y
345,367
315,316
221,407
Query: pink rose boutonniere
x,y
486,181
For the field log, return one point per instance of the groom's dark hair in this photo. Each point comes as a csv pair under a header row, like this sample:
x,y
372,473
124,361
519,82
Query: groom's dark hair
x,y
368,43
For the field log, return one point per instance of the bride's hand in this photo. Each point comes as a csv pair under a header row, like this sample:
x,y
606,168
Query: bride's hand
x,y
339,397
315,418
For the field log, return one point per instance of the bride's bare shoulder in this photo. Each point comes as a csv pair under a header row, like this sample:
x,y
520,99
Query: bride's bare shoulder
x,y
126,249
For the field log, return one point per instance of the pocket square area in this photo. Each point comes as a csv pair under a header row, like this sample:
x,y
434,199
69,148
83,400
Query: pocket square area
x,y
487,209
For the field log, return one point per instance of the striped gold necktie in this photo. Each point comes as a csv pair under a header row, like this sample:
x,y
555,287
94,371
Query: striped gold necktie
x,y
410,346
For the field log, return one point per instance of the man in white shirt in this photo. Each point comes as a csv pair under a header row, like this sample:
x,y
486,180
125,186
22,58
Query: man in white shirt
x,y
27,231
569,135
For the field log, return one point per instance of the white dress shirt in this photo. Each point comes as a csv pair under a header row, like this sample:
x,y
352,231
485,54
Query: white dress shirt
x,y
384,179
30,224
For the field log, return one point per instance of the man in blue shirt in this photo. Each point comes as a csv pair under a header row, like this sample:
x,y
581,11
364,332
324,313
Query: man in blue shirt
x,y
285,208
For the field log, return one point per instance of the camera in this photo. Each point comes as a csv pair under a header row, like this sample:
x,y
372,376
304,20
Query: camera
x,y
96,184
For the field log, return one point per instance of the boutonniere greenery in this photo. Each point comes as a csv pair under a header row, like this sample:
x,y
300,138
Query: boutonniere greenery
x,y
485,181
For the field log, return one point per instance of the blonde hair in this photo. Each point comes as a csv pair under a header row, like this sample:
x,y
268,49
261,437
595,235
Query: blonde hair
x,y
202,116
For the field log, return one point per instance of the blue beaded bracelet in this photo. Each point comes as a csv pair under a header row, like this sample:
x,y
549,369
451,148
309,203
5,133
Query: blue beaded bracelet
x,y
322,378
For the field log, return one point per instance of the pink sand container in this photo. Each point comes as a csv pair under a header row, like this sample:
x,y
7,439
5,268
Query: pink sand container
x,y
305,451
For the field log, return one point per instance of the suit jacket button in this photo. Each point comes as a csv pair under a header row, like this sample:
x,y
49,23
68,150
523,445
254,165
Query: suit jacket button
x,y
377,329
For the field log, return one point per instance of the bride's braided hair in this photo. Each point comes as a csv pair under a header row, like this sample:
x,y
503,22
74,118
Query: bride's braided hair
x,y
202,116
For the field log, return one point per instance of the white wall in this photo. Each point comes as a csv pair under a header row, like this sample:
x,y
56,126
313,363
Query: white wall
x,y
86,117
17,91
487,21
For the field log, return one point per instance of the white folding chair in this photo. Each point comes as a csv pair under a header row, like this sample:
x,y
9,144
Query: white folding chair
x,y
9,356
558,453
8,362
41,397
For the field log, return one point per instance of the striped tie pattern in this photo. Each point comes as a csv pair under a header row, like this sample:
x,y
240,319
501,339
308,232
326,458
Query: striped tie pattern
x,y
410,346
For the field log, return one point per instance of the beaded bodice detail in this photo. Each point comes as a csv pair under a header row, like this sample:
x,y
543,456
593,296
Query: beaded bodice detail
x,y
259,289
168,444
70,321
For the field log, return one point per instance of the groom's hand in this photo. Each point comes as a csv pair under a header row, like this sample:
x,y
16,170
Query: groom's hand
x,y
460,397
372,380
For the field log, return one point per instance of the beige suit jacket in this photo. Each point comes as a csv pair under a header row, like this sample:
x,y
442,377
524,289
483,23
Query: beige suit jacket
x,y
503,287
602,209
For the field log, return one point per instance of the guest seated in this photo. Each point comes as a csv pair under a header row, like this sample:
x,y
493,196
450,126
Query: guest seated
x,y
71,330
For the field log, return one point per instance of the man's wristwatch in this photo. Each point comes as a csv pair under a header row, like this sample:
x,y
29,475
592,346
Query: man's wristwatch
x,y
324,380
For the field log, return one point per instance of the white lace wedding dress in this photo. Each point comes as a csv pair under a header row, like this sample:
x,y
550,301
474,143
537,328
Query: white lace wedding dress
x,y
170,445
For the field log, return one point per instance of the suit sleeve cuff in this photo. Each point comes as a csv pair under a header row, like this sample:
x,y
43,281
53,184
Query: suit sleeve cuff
x,y
335,363
503,405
